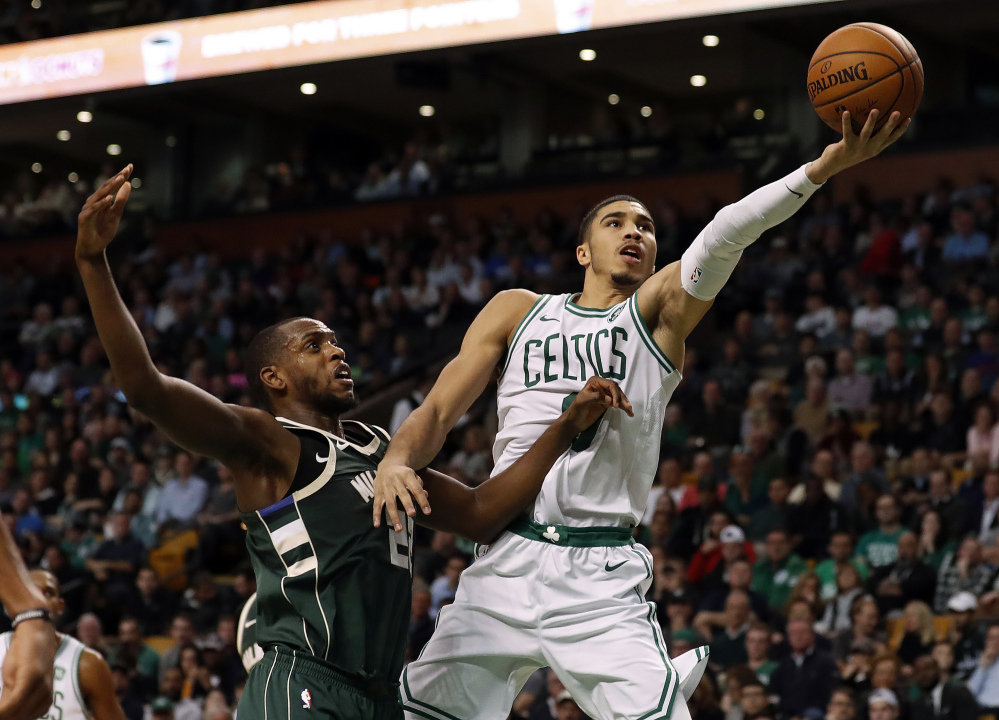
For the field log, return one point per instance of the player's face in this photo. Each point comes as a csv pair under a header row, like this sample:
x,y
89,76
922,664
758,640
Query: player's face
x,y
49,587
318,370
621,245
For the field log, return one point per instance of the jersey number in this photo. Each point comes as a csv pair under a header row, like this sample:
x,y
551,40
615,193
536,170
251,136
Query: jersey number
x,y
584,438
400,546
55,712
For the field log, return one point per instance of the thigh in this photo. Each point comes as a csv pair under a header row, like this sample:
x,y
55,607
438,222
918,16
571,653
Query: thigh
x,y
485,645
471,669
615,665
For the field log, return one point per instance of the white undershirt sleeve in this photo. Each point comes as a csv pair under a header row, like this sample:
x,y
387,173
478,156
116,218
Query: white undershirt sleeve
x,y
710,260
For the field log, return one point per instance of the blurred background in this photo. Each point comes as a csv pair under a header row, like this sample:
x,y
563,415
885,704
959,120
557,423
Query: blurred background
x,y
389,173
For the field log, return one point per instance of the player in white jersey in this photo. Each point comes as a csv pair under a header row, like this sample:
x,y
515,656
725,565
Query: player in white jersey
x,y
82,686
565,587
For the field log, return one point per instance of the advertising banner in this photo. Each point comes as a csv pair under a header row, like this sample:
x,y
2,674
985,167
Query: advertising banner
x,y
312,32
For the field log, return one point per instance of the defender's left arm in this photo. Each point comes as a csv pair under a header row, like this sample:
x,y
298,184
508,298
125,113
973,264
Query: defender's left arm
x,y
675,299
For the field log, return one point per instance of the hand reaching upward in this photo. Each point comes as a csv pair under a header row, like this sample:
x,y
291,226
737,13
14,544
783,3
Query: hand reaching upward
x,y
99,218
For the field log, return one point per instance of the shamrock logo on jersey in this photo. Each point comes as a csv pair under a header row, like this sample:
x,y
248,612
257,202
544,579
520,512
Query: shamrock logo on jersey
x,y
306,699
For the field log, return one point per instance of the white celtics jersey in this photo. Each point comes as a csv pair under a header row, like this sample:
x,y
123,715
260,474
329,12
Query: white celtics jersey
x,y
605,478
67,699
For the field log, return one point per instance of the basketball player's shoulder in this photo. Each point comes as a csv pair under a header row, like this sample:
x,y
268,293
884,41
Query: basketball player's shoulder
x,y
513,305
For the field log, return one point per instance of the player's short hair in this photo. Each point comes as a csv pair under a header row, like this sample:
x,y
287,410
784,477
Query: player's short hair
x,y
260,353
584,226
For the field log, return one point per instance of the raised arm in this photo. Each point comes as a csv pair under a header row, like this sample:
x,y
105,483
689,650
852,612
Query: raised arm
x,y
480,514
27,667
419,439
241,438
675,299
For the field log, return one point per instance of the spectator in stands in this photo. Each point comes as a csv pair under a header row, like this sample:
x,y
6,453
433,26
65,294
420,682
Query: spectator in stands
x,y
758,651
987,523
940,700
116,562
738,576
879,548
964,244
754,703
728,642
182,634
907,578
883,704
864,619
421,625
874,317
442,589
850,389
840,554
984,682
775,574
919,633
837,614
714,423
150,603
942,430
693,525
90,632
952,508
864,484
774,515
935,546
184,496
966,572
842,705
804,680
131,651
171,697
814,520
965,636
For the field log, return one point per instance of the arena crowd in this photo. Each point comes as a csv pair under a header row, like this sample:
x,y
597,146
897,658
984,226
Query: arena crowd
x,y
825,515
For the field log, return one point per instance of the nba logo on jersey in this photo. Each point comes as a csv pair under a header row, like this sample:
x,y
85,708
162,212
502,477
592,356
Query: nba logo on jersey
x,y
614,314
306,699
696,275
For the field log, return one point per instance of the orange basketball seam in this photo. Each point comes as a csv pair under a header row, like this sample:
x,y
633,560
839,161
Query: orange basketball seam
x,y
893,43
870,85
857,52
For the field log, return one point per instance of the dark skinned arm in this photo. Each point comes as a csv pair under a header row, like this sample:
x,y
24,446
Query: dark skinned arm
x,y
244,439
27,668
97,686
480,514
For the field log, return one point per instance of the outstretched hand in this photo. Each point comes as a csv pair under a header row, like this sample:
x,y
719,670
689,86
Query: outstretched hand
x,y
856,148
99,218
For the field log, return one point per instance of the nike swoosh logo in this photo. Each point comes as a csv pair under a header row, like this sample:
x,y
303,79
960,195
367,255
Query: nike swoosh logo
x,y
611,568
548,319
322,459
800,195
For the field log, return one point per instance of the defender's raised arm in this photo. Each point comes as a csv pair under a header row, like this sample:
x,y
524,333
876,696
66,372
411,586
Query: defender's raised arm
x,y
239,437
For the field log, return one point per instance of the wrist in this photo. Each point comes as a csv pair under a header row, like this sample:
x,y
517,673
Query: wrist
x,y
565,430
821,170
83,258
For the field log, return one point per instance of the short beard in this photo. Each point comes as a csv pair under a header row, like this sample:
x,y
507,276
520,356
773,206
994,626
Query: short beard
x,y
327,403
625,280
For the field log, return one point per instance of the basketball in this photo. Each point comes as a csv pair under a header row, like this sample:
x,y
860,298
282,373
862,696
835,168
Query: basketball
x,y
861,67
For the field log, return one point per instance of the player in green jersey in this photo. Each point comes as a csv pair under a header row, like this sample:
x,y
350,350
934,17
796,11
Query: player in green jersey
x,y
333,592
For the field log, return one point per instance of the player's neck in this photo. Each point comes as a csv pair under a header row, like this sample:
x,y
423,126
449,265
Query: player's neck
x,y
310,416
602,295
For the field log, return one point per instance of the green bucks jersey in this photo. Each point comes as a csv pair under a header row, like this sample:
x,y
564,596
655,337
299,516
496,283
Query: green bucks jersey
x,y
328,582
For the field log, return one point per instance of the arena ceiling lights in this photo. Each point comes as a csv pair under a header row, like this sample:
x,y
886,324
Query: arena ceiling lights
x,y
314,32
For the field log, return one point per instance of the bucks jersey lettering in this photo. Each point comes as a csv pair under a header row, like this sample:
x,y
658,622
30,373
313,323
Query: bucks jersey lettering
x,y
604,478
328,583
67,698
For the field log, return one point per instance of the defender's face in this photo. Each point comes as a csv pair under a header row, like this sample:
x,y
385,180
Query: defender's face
x,y
316,364
621,245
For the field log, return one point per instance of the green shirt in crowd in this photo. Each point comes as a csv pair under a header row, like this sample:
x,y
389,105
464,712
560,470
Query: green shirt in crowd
x,y
827,572
775,582
878,549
